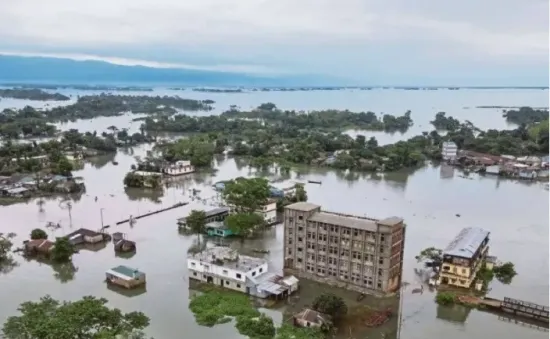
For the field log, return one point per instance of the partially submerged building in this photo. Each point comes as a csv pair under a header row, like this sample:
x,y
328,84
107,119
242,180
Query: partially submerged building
x,y
353,252
181,167
463,257
218,228
225,267
311,318
86,236
38,247
217,214
125,276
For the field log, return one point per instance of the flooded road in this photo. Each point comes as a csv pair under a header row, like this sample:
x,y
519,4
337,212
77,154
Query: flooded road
x,y
428,199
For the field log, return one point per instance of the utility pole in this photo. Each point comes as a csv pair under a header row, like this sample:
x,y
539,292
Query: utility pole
x,y
101,213
70,207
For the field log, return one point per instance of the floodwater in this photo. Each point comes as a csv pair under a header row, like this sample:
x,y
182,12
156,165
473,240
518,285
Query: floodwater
x,y
428,199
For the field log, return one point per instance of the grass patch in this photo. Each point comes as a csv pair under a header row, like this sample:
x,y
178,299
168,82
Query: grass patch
x,y
214,307
288,331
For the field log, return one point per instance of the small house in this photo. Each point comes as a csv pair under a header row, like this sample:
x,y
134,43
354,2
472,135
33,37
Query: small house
x,y
218,228
179,168
125,276
86,236
217,214
311,318
291,282
17,192
38,246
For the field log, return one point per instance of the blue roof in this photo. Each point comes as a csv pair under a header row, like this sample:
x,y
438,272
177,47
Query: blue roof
x,y
466,242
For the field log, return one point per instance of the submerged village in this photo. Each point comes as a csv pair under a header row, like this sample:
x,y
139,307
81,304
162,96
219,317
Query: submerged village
x,y
337,274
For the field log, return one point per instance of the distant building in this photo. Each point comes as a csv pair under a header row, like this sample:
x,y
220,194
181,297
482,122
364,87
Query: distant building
x,y
353,252
449,151
181,167
225,267
463,257
269,212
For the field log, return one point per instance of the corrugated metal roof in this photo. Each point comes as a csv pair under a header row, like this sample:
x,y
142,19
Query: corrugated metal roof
x,y
466,243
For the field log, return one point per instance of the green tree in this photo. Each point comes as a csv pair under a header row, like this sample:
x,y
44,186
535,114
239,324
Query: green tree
x,y
261,327
38,233
330,304
63,167
505,272
6,245
196,221
244,223
63,250
246,194
87,318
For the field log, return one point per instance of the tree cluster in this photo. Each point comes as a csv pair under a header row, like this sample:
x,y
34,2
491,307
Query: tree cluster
x,y
87,318
525,115
246,196
31,94
135,180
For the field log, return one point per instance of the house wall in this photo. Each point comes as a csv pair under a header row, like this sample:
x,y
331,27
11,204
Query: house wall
x,y
225,281
224,272
305,323
126,283
93,239
462,275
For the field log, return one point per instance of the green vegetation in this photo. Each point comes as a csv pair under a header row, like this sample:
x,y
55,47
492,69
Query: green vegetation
x,y
443,122
430,253
87,318
525,115
445,298
133,179
300,195
63,250
196,221
38,233
505,272
6,245
218,306
246,196
330,304
31,94
199,150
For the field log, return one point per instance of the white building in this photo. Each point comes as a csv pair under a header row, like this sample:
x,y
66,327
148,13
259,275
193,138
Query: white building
x,y
181,167
449,151
269,212
225,267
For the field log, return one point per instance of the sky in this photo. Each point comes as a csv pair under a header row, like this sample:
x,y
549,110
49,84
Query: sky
x,y
392,42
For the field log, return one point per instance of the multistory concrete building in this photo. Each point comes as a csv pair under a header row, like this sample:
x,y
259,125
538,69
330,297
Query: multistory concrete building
x,y
357,253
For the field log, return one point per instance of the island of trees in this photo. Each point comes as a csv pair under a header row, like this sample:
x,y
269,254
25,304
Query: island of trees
x,y
32,94
525,115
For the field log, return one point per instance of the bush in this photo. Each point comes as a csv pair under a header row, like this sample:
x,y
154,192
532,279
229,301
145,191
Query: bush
x,y
38,233
445,298
261,327
330,304
505,272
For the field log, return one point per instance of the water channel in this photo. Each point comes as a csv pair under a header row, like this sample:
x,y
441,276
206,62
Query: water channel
x,y
428,199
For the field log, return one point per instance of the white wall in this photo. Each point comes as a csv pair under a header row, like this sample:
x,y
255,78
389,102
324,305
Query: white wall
x,y
221,271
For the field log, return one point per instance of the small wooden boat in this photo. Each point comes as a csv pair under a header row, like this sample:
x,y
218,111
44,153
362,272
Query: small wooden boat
x,y
361,296
115,163
314,182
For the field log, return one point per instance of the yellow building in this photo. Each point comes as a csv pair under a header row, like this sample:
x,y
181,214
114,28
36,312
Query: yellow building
x,y
463,257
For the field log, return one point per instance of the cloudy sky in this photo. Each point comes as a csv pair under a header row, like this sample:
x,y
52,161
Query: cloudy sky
x,y
468,42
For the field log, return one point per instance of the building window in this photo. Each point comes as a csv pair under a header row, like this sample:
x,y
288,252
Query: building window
x,y
463,271
238,285
192,264
195,274
300,239
239,276
299,249
289,251
299,259
261,270
290,219
300,229
253,274
381,261
290,241
224,271
227,282
300,217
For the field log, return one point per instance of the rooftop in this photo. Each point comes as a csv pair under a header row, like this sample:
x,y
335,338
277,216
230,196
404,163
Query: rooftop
x,y
466,242
227,257
311,316
84,232
125,272
216,225
302,206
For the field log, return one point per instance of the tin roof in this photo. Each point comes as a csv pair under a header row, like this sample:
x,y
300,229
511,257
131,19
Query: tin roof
x,y
302,206
125,272
466,243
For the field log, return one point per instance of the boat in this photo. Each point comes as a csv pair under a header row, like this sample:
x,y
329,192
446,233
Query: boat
x,y
314,182
115,163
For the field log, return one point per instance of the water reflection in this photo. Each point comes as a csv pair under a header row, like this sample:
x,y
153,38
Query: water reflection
x,y
127,292
125,255
138,194
7,265
455,313
102,160
63,272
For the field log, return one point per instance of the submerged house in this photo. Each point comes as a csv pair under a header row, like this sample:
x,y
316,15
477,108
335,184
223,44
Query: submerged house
x,y
311,318
38,246
217,214
125,276
86,236
225,267
218,228
181,167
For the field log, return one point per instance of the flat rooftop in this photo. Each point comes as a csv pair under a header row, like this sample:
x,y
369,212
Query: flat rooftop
x,y
302,206
227,257
466,243
352,221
